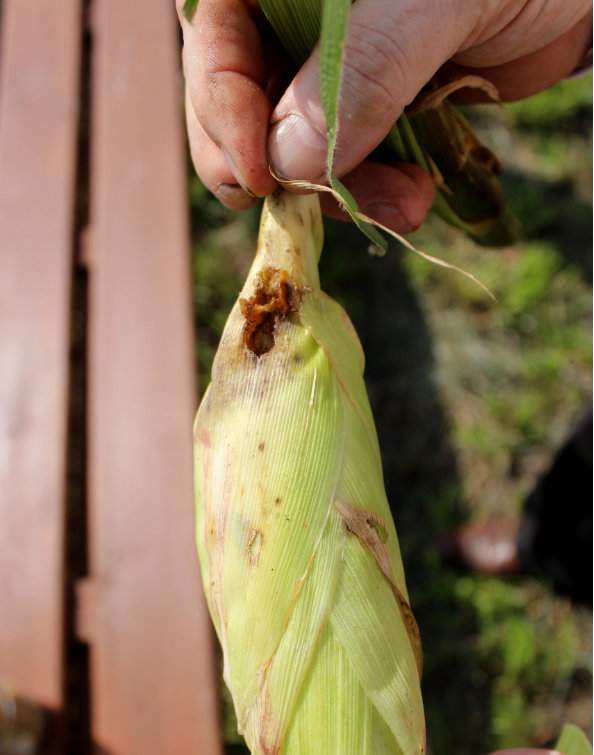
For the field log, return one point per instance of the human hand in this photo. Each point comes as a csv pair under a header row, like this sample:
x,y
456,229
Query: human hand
x,y
393,49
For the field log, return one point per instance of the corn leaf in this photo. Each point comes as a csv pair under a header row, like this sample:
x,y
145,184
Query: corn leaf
x,y
573,741
297,25
335,16
189,8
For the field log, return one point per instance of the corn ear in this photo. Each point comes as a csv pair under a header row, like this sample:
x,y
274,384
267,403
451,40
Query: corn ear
x,y
299,554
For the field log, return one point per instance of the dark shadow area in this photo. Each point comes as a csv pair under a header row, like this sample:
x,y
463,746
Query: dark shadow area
x,y
559,548
75,737
421,476
567,118
76,654
551,211
98,750
27,728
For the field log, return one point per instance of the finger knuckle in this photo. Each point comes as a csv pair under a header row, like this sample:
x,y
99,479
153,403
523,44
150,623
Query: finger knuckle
x,y
375,70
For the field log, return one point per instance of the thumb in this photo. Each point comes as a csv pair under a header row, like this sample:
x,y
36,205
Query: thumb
x,y
392,50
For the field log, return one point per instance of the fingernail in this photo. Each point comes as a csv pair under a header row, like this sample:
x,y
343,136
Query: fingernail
x,y
237,173
296,150
233,196
389,215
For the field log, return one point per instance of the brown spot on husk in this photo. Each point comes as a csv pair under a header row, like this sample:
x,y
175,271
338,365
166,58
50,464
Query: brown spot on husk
x,y
254,546
274,300
269,731
261,446
372,533
412,628
203,437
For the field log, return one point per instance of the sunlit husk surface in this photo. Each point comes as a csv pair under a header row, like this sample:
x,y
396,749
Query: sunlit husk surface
x,y
299,554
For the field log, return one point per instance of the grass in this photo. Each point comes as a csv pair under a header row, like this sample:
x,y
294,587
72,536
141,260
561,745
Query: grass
x,y
472,399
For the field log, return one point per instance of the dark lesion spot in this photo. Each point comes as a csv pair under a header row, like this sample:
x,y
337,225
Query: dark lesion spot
x,y
261,446
278,501
378,526
254,546
412,629
367,525
372,533
275,299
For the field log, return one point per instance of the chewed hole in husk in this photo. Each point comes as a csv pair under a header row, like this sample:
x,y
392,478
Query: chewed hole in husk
x,y
274,299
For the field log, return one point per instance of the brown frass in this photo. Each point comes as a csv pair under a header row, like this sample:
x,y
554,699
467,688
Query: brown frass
x,y
274,299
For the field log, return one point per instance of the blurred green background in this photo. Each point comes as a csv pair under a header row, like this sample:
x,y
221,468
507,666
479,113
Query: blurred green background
x,y
472,398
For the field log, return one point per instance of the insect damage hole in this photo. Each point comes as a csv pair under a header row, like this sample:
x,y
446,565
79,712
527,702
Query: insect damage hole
x,y
273,301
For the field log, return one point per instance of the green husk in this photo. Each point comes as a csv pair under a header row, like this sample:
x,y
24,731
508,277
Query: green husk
x,y
300,559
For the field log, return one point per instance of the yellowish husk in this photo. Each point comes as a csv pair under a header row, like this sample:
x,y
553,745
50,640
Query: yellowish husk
x,y
299,554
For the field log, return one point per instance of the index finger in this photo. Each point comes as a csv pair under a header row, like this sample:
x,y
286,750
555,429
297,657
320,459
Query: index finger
x,y
226,78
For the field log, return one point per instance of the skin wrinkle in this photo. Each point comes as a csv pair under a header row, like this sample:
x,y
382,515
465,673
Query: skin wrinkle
x,y
385,110
536,24
533,73
494,17
393,55
356,61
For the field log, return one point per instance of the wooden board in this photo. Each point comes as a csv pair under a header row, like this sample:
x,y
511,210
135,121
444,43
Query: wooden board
x,y
38,133
153,686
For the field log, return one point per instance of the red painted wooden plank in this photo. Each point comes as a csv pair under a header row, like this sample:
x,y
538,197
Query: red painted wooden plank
x,y
39,70
153,686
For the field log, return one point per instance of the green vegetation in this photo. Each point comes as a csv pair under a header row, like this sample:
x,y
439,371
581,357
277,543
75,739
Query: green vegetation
x,y
573,741
471,399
